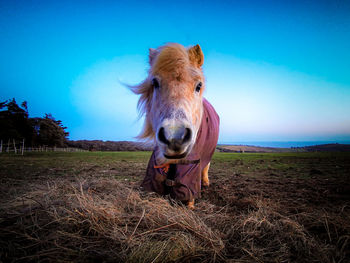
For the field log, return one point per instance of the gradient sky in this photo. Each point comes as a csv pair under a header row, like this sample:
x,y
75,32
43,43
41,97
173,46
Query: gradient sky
x,y
275,71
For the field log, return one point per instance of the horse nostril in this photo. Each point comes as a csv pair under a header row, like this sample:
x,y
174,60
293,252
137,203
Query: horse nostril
x,y
188,135
161,136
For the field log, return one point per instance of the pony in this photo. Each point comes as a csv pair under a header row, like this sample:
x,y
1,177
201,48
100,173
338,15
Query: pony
x,y
183,124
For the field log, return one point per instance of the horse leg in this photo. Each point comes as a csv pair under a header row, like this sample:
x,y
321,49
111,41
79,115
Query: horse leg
x,y
205,178
190,204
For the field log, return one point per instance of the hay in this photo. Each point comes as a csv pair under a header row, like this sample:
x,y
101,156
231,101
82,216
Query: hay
x,y
107,220
264,235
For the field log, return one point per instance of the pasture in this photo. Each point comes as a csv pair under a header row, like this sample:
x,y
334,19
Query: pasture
x,y
86,207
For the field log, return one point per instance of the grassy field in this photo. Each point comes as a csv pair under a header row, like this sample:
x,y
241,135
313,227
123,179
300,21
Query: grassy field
x,y
86,207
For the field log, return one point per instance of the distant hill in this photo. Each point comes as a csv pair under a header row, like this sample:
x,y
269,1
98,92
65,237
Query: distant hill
x,y
252,149
98,145
334,147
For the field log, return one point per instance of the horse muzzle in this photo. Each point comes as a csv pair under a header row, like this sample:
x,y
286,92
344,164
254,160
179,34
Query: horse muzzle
x,y
174,140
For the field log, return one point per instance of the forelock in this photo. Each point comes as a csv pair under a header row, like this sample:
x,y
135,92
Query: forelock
x,y
172,61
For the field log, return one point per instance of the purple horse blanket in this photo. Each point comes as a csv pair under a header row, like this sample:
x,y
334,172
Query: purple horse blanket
x,y
183,181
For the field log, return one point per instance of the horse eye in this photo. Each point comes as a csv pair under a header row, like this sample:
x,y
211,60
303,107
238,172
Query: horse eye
x,y
198,87
155,83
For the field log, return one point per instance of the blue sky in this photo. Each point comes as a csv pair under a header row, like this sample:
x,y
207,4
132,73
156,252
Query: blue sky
x,y
275,71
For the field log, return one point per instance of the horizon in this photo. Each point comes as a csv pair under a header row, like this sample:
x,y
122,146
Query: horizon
x,y
283,144
275,72
273,144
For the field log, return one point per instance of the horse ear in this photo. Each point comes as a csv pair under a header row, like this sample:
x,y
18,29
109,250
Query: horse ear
x,y
196,55
152,55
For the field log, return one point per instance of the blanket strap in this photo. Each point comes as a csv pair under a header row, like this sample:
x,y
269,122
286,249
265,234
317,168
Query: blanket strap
x,y
169,182
166,167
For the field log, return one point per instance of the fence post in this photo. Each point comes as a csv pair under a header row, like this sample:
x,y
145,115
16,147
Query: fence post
x,y
14,145
8,146
23,147
1,147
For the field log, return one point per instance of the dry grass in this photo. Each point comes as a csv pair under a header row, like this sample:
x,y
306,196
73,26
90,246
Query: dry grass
x,y
264,235
105,220
259,208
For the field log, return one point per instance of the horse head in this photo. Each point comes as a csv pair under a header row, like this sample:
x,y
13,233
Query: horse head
x,y
172,100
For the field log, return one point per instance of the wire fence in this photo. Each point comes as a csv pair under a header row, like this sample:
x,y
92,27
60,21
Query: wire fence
x,y
19,147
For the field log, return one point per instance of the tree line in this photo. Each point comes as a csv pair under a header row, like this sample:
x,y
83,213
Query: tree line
x,y
15,124
98,145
